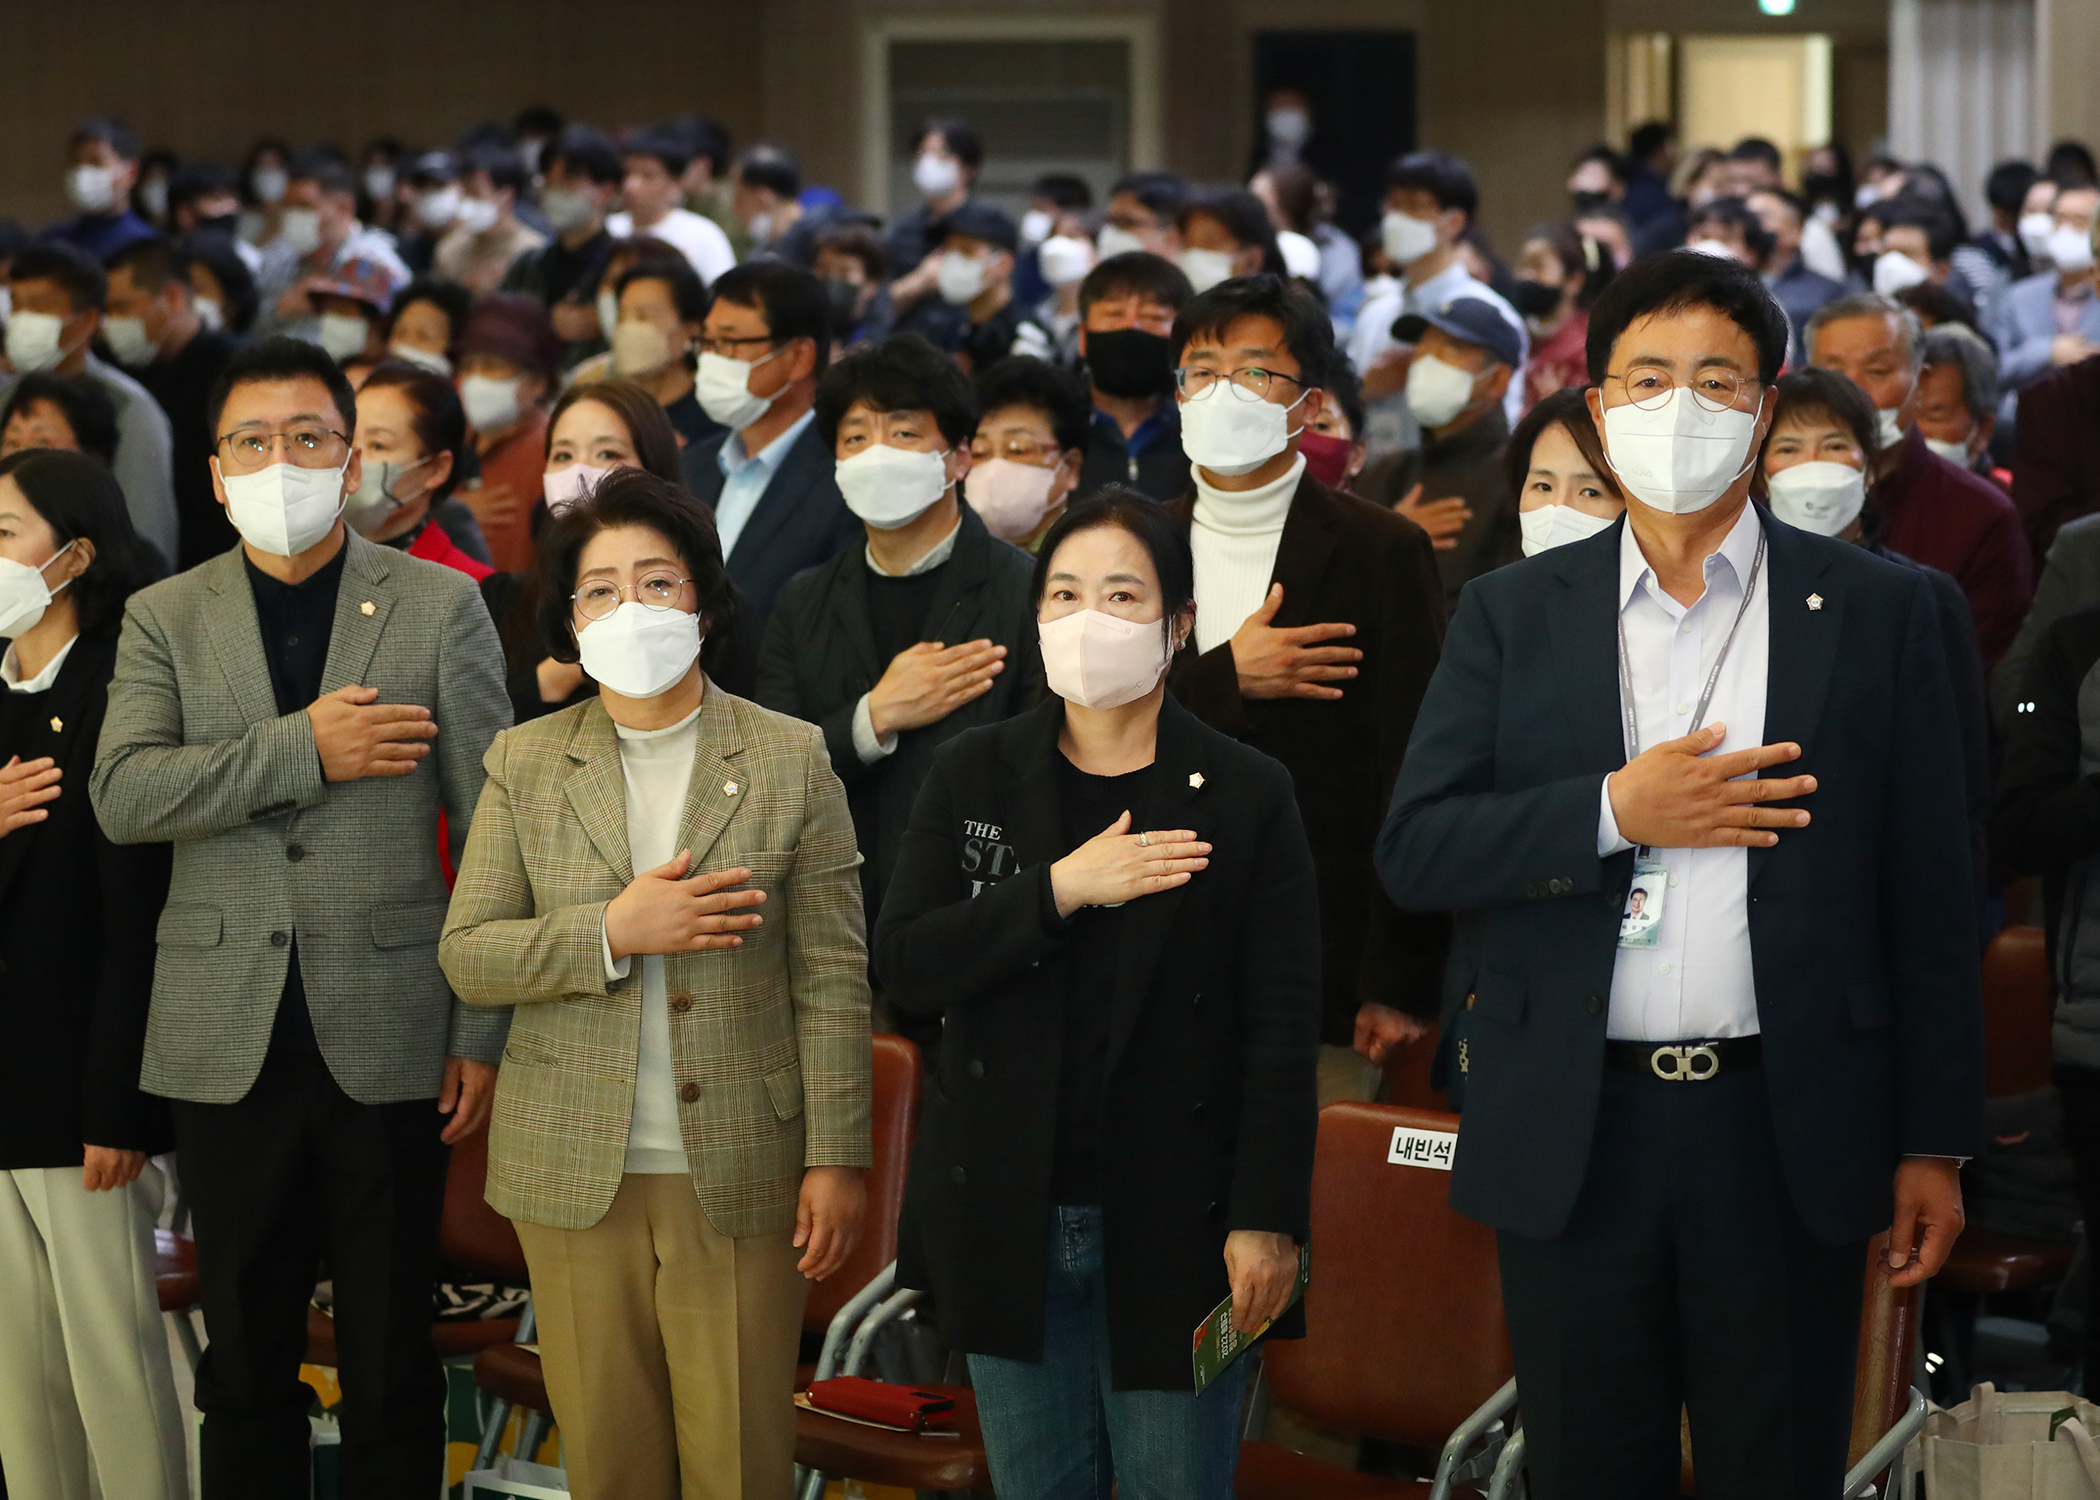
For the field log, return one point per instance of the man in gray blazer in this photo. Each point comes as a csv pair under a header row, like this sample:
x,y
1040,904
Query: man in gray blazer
x,y
293,715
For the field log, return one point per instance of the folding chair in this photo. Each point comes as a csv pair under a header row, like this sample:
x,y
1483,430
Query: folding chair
x,y
1405,1338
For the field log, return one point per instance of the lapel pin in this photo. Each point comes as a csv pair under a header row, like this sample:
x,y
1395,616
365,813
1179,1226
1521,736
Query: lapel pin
x,y
1815,601
1196,780
368,607
58,725
729,789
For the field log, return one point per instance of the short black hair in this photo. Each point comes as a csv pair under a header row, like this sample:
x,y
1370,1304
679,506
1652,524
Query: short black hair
x,y
1347,392
86,407
1736,213
76,272
771,167
282,358
2006,187
634,497
964,143
688,291
791,298
80,499
199,179
117,137
585,152
861,240
702,137
902,373
1162,193
1024,380
1648,138
1675,280
538,119
2070,163
1240,214
440,421
442,293
1793,200
1942,234
1614,163
1137,273
1064,189
1445,177
1817,391
667,148
324,167
1308,331
1756,148
1163,537
504,164
214,250
153,263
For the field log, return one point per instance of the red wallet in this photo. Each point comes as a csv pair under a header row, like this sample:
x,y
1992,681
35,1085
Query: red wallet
x,y
891,1405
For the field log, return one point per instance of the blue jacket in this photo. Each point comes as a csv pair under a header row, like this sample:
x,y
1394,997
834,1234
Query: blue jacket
x,y
2024,327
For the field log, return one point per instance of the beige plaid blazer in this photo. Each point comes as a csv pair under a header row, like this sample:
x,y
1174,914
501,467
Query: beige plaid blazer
x,y
769,1042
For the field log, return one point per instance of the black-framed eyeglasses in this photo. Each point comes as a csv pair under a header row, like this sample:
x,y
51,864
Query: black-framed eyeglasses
x,y
728,346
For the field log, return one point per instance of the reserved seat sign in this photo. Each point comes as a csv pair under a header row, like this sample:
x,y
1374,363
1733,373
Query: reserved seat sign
x,y
1422,1148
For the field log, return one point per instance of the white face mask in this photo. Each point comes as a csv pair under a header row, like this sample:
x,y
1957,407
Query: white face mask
x,y
92,190
1205,268
1225,432
379,183
439,207
477,215
1064,260
1288,128
1956,454
2070,249
1552,526
1100,660
373,503
889,488
1894,271
960,277
608,312
639,348
300,229
1036,225
1437,392
936,176
1888,427
1821,497
33,340
1679,457
344,335
269,183
24,595
422,359
128,341
724,390
2035,230
491,405
153,194
566,208
284,509
640,652
209,313
565,488
1114,239
1010,498
1406,239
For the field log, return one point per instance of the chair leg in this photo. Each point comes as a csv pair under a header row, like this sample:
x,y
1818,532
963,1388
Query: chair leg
x,y
812,1488
492,1435
533,1434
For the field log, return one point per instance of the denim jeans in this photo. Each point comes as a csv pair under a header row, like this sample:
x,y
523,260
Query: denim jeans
x,y
1057,1429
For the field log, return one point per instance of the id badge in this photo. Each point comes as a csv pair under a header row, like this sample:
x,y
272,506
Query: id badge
x,y
1644,903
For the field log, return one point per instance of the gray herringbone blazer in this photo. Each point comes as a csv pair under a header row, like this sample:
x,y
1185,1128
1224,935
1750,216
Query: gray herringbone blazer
x,y
769,1041
194,751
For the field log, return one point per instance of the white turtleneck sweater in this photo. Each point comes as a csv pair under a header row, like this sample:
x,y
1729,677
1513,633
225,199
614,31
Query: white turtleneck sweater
x,y
1234,537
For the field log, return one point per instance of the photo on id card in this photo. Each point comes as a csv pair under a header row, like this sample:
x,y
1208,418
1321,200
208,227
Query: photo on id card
x,y
1644,904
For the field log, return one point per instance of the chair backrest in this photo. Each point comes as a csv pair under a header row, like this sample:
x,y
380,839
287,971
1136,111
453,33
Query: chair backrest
x,y
2016,1013
1407,1074
896,1120
1404,1329
471,1234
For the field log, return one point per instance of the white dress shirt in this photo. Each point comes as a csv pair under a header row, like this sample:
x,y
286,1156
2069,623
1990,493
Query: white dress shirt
x,y
1696,982
745,477
11,670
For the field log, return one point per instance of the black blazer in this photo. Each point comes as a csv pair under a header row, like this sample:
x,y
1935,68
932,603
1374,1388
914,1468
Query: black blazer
x,y
819,657
1341,558
1862,925
77,916
1209,1100
800,521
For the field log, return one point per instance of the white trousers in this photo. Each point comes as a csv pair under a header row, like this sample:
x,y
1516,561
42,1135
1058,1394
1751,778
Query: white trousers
x,y
87,1395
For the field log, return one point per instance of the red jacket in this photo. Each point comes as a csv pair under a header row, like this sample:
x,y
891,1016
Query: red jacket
x,y
434,546
1948,518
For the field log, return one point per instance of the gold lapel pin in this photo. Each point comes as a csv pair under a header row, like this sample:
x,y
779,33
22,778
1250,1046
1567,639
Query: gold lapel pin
x,y
57,725
1815,601
368,607
729,789
1196,780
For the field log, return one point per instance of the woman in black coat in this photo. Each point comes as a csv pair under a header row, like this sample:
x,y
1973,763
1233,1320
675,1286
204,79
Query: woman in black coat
x,y
84,1372
1112,906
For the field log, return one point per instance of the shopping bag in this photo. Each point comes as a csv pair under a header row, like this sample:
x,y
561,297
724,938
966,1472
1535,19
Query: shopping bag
x,y
2013,1445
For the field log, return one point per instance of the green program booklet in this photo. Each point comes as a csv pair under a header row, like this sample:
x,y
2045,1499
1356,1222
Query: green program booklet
x,y
1218,1343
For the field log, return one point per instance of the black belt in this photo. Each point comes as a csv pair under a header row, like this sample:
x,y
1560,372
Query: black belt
x,y
1685,1062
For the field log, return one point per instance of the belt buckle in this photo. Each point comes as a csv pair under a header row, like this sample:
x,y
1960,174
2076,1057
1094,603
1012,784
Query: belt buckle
x,y
1684,1063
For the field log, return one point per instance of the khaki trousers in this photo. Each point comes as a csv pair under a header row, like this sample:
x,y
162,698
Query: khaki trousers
x,y
669,1349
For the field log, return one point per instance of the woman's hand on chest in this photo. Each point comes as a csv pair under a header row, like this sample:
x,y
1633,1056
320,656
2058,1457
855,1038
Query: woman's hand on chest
x,y
665,911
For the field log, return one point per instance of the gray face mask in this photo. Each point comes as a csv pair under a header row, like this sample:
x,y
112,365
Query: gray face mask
x,y
373,503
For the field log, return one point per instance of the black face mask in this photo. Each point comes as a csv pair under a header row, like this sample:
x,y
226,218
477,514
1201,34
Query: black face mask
x,y
1130,361
1820,186
226,224
1588,203
1534,299
844,298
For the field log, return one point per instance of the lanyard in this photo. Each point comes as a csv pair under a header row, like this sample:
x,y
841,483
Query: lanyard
x,y
1713,678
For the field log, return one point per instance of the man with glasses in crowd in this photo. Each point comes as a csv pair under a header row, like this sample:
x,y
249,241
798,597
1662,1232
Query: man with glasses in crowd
x,y
276,708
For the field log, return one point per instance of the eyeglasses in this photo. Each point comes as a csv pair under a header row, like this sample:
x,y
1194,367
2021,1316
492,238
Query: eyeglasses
x,y
1020,450
247,449
729,346
1250,384
1715,389
658,591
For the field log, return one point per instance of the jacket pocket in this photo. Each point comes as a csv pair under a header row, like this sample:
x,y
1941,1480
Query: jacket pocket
x,y
189,925
1869,1007
416,925
1499,996
784,1088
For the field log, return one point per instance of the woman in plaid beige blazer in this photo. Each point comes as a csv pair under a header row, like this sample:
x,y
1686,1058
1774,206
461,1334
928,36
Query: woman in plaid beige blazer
x,y
680,1141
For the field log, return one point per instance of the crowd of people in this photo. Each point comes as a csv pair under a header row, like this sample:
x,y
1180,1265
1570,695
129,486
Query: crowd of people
x,y
569,632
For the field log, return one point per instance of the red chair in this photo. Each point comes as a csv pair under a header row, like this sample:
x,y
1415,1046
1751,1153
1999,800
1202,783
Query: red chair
x,y
175,1280
1407,1075
1421,1357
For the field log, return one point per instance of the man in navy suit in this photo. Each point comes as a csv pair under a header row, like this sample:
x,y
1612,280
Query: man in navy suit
x,y
1687,1130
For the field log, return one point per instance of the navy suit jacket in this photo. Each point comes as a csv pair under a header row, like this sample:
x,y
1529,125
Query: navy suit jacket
x,y
1862,925
801,520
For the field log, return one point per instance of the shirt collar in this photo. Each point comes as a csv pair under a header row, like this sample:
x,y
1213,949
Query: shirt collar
x,y
1442,287
11,669
1734,557
939,553
732,456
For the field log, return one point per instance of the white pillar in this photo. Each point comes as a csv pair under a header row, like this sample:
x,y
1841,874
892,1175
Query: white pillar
x,y
1961,87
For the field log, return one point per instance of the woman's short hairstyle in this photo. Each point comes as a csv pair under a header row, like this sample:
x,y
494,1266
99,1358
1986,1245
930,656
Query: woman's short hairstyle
x,y
440,422
648,428
84,404
1583,259
1243,216
1569,408
78,497
1024,380
1817,392
442,293
633,497
1166,539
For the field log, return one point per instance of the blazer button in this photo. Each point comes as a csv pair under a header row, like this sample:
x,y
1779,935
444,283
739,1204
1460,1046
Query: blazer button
x,y
279,938
681,1003
957,1176
1214,1208
1614,898
1197,1112
295,853
1196,1000
1594,1004
976,1067
690,1093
